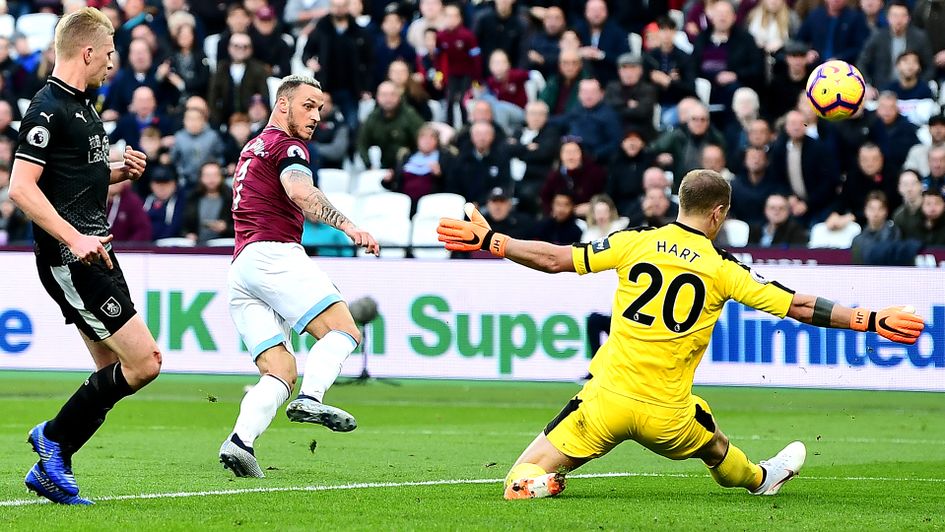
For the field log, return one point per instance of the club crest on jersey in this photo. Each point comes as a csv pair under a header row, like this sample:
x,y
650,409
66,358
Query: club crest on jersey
x,y
111,308
758,278
601,244
38,136
296,151
256,147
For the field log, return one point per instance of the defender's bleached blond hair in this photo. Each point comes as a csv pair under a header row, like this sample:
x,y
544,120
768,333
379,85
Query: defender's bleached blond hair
x,y
86,27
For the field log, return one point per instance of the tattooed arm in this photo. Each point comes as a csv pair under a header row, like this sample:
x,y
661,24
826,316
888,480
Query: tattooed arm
x,y
298,185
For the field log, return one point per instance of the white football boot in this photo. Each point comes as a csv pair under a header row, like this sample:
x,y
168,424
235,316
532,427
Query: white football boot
x,y
783,467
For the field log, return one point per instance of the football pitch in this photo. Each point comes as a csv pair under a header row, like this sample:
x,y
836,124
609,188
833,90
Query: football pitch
x,y
429,455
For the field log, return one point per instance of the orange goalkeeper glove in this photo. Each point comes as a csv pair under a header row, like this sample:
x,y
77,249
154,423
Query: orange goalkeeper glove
x,y
899,324
475,234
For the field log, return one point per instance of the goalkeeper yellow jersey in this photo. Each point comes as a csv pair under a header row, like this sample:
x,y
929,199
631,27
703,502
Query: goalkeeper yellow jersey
x,y
673,285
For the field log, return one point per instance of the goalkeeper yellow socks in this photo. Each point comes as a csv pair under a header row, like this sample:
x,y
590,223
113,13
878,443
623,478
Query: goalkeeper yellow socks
x,y
737,471
523,470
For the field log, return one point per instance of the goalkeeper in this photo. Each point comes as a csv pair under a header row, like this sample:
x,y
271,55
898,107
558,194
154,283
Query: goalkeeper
x,y
672,286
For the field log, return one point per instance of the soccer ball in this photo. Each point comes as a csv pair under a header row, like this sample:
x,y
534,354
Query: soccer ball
x,y
835,90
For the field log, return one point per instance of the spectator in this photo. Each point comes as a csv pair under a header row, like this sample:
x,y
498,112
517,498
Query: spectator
x,y
303,14
560,227
894,134
603,41
727,56
15,227
501,28
208,214
187,70
195,145
481,166
138,73
127,221
542,49
936,176
779,229
269,43
236,81
431,67
327,241
577,175
481,112
165,206
431,17
746,108
159,49
915,99
560,93
759,136
421,172
680,149
874,14
133,14
835,31
603,219
672,71
24,77
908,217
258,113
806,166
143,114
871,175
238,20
625,173
932,230
4,181
713,158
918,157
631,96
158,157
332,138
461,52
788,80
6,151
7,64
238,133
878,228
392,126
414,94
697,20
163,22
501,216
596,123
657,208
339,52
391,47
930,16
770,23
506,91
880,55
751,188
6,121
537,146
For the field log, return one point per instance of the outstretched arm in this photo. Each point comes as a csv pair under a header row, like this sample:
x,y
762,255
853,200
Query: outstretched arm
x,y
541,256
298,185
899,324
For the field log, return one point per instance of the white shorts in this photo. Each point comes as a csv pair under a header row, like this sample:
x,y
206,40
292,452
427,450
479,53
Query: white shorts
x,y
276,288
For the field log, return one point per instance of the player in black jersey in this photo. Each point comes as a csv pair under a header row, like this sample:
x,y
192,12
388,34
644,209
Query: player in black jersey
x,y
60,180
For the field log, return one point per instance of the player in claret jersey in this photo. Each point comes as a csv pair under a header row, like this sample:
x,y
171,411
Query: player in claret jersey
x,y
274,287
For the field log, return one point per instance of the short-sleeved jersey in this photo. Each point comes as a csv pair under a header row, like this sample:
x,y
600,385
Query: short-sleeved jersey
x,y
673,285
62,133
262,211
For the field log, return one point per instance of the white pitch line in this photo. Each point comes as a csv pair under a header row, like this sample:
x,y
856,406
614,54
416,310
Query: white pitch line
x,y
370,485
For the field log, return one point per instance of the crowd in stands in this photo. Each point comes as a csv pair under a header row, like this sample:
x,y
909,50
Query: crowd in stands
x,y
563,121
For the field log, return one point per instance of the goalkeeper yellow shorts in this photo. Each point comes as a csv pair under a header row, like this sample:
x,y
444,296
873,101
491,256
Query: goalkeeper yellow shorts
x,y
596,420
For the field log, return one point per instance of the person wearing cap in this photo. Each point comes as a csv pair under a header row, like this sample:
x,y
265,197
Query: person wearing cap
x,y
881,52
788,80
268,44
165,205
918,157
625,172
501,214
632,96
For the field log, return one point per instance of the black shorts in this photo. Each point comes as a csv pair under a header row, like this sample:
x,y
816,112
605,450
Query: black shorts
x,y
92,297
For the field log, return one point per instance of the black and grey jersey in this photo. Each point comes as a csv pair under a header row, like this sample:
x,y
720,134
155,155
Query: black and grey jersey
x,y
62,133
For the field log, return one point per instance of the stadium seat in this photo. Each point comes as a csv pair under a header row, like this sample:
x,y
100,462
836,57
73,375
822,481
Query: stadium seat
x,y
364,109
369,182
174,242
535,84
273,83
23,104
210,49
681,40
517,168
437,112
636,43
821,237
333,180
703,89
924,135
38,28
441,204
393,234
736,232
678,17
7,26
345,203
109,126
387,206
657,114
423,238
298,67
221,242
446,131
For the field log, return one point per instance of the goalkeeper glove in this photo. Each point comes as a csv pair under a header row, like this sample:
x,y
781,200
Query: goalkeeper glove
x,y
475,234
899,324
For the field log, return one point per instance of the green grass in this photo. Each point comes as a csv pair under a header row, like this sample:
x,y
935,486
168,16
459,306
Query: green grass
x,y
165,440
